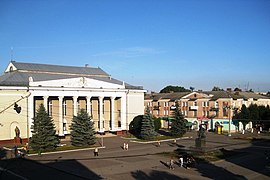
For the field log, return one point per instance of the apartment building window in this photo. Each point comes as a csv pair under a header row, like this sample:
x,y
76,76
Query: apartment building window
x,y
195,103
216,104
205,104
205,113
50,108
195,113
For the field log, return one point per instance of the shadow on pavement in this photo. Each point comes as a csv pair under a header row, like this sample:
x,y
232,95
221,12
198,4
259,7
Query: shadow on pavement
x,y
258,148
3,153
160,175
20,168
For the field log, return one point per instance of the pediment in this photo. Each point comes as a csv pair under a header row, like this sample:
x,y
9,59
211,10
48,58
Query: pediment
x,y
77,82
196,95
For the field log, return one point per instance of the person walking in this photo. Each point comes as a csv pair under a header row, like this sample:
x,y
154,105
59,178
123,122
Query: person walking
x,y
181,161
127,146
158,143
96,152
124,147
171,164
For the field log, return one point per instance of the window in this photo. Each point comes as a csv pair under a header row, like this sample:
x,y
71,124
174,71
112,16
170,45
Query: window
x,y
216,104
50,108
195,113
195,103
65,108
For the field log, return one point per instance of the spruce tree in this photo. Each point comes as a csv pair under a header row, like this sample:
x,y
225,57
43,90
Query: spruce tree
x,y
44,137
148,127
82,130
178,126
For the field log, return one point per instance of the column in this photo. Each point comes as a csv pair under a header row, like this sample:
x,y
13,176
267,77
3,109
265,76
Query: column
x,y
124,124
101,129
60,132
45,102
112,114
30,110
88,104
75,99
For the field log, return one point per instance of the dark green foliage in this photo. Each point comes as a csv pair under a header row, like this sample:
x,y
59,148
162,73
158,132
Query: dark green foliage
x,y
169,89
259,115
215,88
178,126
135,126
43,137
243,116
82,130
157,123
147,128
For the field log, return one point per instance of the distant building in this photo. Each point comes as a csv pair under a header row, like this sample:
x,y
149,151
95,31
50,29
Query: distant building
x,y
64,90
203,107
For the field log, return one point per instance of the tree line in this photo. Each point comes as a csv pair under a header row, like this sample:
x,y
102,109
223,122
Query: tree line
x,y
44,136
259,115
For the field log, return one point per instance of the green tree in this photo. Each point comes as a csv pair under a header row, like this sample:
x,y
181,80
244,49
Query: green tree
x,y
254,114
178,126
243,116
43,130
157,123
169,89
216,88
136,125
82,130
148,127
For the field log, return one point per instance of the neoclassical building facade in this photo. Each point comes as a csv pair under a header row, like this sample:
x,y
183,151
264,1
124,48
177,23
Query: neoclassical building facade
x,y
64,90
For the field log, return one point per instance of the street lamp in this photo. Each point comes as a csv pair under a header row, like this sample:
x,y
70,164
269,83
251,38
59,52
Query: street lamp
x,y
229,116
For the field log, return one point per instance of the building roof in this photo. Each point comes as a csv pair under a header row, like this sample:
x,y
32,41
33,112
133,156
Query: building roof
x,y
58,69
20,73
213,95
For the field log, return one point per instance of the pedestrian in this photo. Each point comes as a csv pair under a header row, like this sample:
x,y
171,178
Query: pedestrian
x,y
96,152
181,161
158,143
127,146
171,163
124,147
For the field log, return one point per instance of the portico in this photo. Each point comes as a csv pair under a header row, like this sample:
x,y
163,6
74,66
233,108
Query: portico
x,y
64,90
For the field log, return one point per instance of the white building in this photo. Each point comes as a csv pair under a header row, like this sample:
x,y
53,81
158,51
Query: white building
x,y
63,90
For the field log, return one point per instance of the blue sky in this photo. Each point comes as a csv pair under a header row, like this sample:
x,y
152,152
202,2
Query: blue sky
x,y
198,43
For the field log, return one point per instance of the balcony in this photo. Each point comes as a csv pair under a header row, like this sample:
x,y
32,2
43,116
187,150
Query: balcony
x,y
156,107
193,108
172,107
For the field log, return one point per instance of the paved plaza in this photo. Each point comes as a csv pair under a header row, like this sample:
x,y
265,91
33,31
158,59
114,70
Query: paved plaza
x,y
141,161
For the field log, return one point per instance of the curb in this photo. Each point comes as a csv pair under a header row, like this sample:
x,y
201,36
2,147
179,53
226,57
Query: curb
x,y
148,142
73,150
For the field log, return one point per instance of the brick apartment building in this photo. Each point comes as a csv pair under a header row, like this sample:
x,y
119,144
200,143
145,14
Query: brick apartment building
x,y
209,107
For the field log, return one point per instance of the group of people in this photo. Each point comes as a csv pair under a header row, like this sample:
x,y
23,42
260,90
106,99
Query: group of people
x,y
21,152
185,161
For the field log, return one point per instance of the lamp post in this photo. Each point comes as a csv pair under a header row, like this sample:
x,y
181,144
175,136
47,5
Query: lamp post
x,y
229,133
